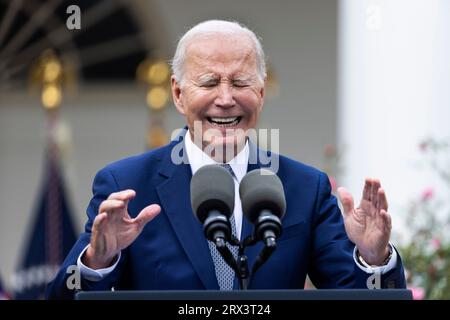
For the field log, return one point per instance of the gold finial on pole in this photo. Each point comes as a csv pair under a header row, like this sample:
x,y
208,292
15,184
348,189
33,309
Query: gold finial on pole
x,y
48,75
155,74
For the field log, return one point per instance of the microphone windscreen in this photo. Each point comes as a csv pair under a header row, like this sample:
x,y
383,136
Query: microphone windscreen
x,y
259,190
212,188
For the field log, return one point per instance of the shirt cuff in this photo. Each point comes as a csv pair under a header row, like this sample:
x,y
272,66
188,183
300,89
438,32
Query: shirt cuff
x,y
381,269
97,274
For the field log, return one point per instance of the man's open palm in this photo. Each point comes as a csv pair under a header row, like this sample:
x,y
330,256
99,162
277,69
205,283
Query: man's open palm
x,y
369,225
113,228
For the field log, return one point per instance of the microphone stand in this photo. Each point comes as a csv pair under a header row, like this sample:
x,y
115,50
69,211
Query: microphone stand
x,y
240,265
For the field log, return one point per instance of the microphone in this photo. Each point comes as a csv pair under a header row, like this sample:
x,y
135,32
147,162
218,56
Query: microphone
x,y
212,200
263,204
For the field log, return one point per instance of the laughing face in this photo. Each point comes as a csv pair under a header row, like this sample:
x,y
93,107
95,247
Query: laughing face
x,y
221,93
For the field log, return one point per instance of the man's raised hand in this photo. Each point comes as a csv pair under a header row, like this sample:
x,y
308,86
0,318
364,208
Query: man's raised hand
x,y
113,228
369,225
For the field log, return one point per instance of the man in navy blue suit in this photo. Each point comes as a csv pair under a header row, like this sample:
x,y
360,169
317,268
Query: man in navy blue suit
x,y
141,232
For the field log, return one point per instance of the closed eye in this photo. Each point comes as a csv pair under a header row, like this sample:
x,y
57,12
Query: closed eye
x,y
209,84
241,83
208,81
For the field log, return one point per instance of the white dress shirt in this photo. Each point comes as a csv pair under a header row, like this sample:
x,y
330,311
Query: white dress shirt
x,y
197,159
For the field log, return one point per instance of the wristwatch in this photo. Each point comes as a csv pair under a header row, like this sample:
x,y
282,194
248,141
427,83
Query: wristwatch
x,y
365,264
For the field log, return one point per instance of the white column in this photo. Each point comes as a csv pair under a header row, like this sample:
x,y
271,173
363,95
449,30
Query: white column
x,y
394,90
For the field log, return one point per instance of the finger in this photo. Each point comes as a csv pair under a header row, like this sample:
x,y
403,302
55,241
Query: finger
x,y
124,195
97,242
386,219
346,199
367,189
147,214
374,193
382,200
109,205
98,222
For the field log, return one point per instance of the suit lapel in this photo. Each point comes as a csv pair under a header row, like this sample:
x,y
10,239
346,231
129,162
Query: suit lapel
x,y
174,195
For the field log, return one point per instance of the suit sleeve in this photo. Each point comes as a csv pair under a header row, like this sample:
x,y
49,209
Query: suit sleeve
x,y
67,281
332,264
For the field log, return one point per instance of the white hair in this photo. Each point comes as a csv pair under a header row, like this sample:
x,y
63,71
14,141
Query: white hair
x,y
216,27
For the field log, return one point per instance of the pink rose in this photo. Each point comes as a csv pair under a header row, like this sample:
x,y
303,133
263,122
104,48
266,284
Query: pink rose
x,y
427,194
436,243
423,146
417,293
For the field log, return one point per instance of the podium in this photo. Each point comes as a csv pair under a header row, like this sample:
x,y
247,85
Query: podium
x,y
205,295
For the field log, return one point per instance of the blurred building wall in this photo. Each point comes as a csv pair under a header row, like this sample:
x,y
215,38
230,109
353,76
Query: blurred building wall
x,y
109,122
